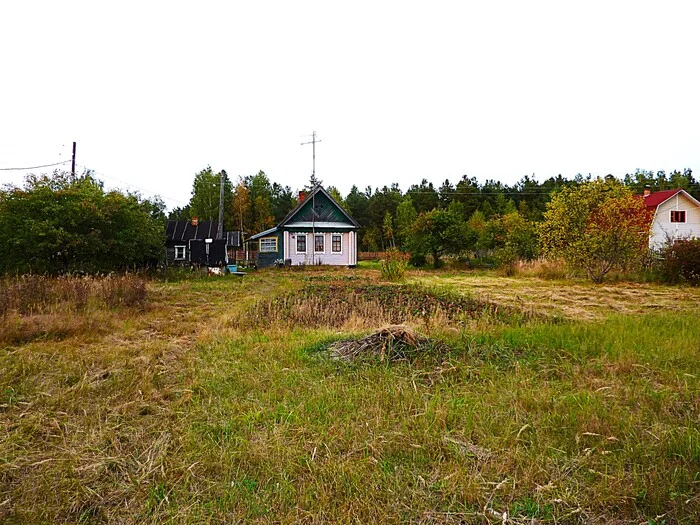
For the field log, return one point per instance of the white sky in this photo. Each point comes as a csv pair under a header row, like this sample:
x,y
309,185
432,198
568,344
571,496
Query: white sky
x,y
398,91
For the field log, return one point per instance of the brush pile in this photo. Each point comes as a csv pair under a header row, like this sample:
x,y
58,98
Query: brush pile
x,y
392,343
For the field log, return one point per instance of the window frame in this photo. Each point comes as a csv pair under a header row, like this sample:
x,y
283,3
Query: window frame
x,y
675,214
340,235
260,245
184,252
306,243
322,236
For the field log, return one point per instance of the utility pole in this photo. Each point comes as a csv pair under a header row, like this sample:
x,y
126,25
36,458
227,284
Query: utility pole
x,y
220,229
72,166
313,142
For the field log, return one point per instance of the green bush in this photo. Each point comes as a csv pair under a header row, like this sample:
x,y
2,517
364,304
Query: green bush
x,y
59,225
418,260
507,257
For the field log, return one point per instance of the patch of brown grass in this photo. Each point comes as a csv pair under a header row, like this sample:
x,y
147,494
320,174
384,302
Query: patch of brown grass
x,y
38,294
578,300
339,305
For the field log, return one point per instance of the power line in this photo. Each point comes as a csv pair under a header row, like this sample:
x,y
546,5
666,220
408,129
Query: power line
x,y
477,193
35,167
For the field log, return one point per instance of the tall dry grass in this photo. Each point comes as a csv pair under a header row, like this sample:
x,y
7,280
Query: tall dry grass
x,y
40,294
34,306
349,304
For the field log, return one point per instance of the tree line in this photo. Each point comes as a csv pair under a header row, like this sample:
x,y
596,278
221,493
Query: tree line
x,y
426,220
59,223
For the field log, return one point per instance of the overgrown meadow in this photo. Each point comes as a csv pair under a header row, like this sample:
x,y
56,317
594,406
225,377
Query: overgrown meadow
x,y
215,400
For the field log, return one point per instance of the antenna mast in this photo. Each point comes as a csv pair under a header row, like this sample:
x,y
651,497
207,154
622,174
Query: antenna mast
x,y
220,226
313,142
72,166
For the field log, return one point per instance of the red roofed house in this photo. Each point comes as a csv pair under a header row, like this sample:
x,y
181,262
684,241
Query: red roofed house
x,y
676,216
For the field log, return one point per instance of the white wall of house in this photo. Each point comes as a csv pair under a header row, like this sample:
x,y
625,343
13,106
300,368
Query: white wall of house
x,y
346,257
663,229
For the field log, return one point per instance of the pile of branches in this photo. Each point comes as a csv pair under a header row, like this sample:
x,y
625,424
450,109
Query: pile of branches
x,y
391,343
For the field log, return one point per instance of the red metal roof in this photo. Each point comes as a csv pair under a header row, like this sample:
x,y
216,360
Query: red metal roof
x,y
656,198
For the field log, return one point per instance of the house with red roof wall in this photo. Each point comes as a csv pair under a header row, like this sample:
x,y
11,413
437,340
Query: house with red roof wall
x,y
676,216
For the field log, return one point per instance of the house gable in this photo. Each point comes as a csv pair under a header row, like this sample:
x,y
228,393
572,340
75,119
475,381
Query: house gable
x,y
327,211
666,226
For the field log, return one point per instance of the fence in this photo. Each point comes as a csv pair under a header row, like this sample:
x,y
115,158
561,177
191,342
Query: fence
x,y
370,256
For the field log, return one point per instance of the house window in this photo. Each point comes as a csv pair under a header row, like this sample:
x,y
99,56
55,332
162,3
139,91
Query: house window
x,y
268,244
319,244
180,252
301,243
678,216
336,243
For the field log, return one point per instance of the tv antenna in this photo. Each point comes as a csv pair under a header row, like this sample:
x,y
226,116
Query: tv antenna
x,y
313,142
314,183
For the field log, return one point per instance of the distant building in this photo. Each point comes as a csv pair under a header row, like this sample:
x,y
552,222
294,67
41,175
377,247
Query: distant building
x,y
676,216
317,231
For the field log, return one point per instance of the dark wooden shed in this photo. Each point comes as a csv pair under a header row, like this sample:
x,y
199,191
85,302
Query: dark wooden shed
x,y
194,243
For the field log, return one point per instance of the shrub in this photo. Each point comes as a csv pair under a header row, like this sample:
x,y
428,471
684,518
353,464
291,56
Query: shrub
x,y
71,225
680,261
507,258
393,265
418,260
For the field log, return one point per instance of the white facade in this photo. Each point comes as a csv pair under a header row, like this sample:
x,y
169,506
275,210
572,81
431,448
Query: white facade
x,y
334,248
663,228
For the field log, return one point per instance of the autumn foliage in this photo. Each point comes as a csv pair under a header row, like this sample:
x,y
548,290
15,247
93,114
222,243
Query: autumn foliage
x,y
598,226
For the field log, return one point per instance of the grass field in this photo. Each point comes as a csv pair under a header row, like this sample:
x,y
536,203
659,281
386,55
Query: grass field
x,y
215,402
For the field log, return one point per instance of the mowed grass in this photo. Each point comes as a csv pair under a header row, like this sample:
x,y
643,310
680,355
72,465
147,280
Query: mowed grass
x,y
178,413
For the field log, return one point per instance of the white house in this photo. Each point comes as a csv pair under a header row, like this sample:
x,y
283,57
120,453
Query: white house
x,y
317,231
676,216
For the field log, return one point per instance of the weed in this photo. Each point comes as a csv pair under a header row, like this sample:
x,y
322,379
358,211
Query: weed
x,y
393,265
530,508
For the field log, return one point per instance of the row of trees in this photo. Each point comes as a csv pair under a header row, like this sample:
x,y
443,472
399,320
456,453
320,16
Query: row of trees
x,y
387,215
252,204
60,223
384,212
468,219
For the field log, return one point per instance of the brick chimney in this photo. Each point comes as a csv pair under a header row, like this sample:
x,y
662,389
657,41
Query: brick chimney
x,y
195,221
647,190
302,196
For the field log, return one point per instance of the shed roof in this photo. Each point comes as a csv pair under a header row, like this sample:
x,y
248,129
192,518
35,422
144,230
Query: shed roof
x,y
261,234
184,231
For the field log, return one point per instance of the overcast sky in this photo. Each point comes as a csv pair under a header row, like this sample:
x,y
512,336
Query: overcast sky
x,y
397,91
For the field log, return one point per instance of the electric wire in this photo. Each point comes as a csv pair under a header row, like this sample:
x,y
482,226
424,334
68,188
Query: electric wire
x,y
36,167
